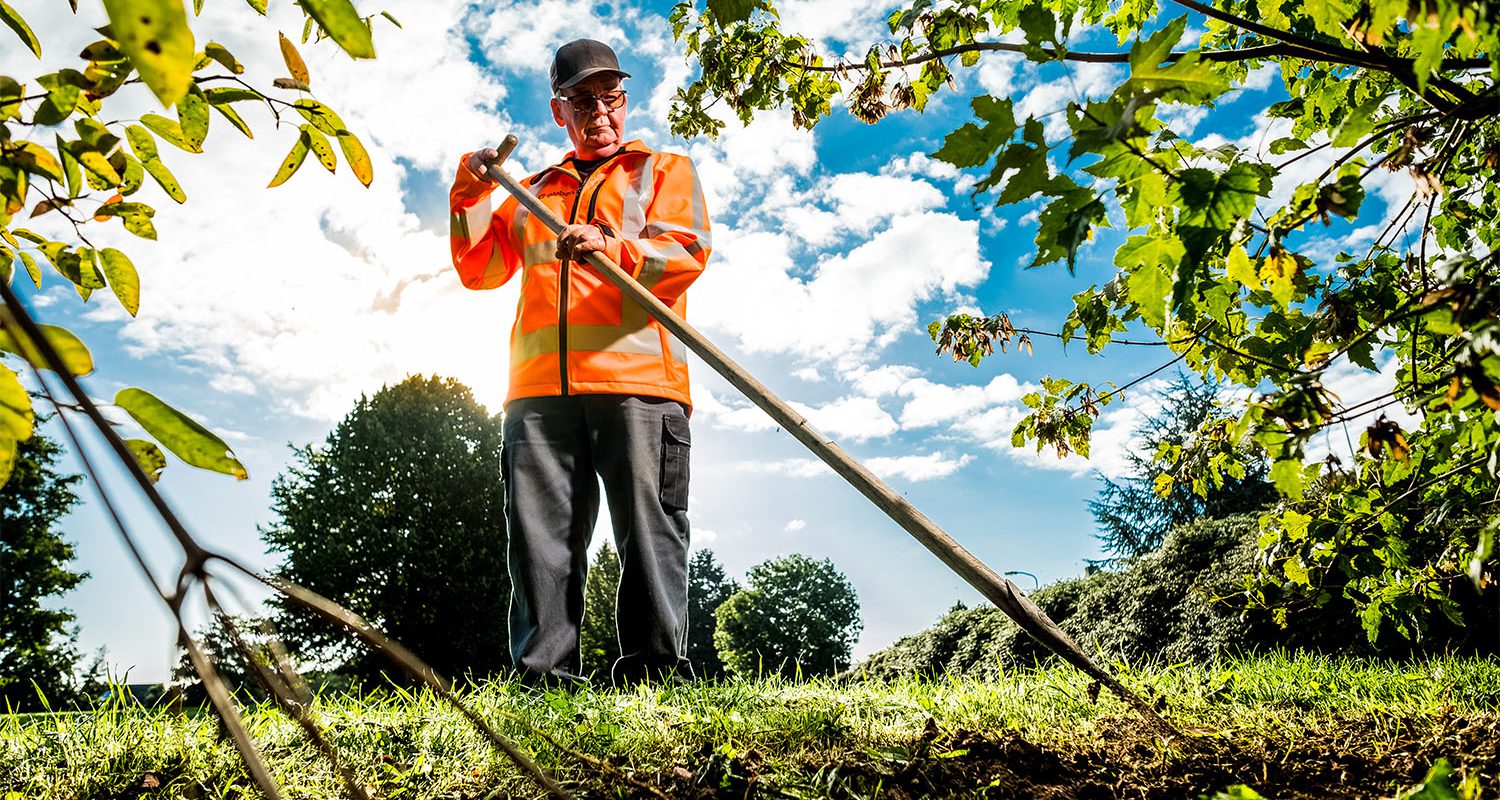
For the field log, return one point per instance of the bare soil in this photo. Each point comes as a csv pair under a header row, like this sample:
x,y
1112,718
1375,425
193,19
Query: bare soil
x,y
1346,759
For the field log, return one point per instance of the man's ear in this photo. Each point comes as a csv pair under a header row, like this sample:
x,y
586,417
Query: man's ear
x,y
557,113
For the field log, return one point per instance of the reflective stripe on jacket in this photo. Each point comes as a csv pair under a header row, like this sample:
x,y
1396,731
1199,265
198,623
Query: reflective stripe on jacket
x,y
651,208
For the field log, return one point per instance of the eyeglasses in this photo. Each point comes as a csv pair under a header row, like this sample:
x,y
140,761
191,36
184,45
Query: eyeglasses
x,y
585,103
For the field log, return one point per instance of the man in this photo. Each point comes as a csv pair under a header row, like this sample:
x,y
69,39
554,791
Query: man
x,y
596,386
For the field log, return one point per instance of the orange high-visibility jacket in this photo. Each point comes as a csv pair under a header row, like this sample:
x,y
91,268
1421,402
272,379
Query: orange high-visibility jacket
x,y
575,332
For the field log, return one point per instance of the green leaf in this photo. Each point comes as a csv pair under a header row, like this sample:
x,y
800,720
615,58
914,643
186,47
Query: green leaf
x,y
1150,263
1358,123
11,92
971,145
1143,198
192,110
166,180
1437,785
150,457
124,281
131,176
342,22
32,269
1186,80
170,131
96,163
37,160
16,417
179,433
1219,200
1279,273
731,11
229,94
221,54
357,158
1286,144
1329,16
14,21
156,37
258,5
1065,224
235,119
320,147
1295,571
1287,475
293,159
71,170
75,356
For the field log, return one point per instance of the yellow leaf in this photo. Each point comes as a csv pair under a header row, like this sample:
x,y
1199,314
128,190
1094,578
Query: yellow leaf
x,y
179,433
293,59
124,281
1241,270
75,356
320,147
155,36
293,160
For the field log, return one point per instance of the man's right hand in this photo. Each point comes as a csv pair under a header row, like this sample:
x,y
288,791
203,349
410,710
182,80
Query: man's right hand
x,y
479,162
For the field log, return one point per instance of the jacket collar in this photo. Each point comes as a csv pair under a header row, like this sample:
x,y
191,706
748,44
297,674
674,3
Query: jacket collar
x,y
630,148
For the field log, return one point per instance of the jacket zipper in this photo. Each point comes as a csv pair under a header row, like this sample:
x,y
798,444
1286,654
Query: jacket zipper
x,y
564,278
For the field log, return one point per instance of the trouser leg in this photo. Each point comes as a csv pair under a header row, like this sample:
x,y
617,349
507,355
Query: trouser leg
x,y
551,504
640,448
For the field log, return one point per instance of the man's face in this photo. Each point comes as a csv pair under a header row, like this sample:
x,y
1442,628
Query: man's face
x,y
599,131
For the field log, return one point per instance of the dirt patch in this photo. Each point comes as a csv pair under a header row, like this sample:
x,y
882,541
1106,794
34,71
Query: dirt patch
x,y
1349,759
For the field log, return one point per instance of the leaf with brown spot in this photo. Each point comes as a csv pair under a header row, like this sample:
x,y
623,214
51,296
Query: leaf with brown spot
x,y
293,59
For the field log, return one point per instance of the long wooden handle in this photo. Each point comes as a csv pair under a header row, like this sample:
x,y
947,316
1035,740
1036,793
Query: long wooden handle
x,y
996,588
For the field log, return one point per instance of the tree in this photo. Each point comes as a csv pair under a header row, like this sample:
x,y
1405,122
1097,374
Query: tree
x,y
399,516
599,640
36,643
795,617
1208,266
708,588
1135,513
88,173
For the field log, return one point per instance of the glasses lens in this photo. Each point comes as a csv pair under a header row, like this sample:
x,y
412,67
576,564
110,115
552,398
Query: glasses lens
x,y
585,103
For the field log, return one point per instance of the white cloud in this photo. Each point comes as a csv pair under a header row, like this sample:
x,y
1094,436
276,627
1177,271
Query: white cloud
x,y
854,304
795,525
918,468
856,418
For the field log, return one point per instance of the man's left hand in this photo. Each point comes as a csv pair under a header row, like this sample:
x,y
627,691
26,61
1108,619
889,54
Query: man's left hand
x,y
576,240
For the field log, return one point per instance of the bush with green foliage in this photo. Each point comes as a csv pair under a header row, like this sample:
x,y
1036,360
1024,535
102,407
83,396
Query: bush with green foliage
x,y
1180,603
399,517
795,616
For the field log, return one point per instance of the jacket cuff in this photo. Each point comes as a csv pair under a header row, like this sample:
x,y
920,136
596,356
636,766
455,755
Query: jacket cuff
x,y
468,186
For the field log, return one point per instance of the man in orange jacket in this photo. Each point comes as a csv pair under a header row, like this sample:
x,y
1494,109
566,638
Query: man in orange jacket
x,y
596,386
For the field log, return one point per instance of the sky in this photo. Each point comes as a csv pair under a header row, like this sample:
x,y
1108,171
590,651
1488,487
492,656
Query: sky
x,y
266,313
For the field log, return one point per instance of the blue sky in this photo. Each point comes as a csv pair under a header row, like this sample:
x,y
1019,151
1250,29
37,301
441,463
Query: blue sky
x,y
267,312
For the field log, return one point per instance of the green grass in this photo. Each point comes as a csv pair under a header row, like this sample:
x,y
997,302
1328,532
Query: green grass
x,y
795,736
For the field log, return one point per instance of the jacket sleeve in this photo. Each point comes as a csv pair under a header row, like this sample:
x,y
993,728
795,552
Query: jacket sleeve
x,y
674,244
483,252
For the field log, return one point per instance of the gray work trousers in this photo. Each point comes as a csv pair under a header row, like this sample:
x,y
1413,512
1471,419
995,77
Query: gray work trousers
x,y
554,447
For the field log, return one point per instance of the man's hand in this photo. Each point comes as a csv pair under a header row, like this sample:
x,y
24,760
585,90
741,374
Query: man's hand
x,y
575,240
479,162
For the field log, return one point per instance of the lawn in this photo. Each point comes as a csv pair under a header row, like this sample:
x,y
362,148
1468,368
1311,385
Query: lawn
x,y
1275,726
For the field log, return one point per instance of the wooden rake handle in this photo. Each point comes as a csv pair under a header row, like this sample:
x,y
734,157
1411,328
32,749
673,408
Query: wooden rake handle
x,y
996,588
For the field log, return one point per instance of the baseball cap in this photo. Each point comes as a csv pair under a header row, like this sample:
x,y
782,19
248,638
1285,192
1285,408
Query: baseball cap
x,y
581,58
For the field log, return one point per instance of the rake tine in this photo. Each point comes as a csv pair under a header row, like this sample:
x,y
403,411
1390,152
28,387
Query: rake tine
x,y
407,661
286,696
223,703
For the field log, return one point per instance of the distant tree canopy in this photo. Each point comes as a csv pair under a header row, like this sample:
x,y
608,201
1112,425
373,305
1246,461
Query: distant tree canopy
x,y
1135,513
1348,224
708,588
794,616
399,516
599,640
36,643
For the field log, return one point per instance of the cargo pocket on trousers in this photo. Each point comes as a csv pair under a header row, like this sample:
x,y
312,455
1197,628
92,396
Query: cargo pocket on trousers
x,y
675,442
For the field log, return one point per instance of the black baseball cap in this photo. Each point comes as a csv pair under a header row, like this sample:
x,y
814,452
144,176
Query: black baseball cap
x,y
581,58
